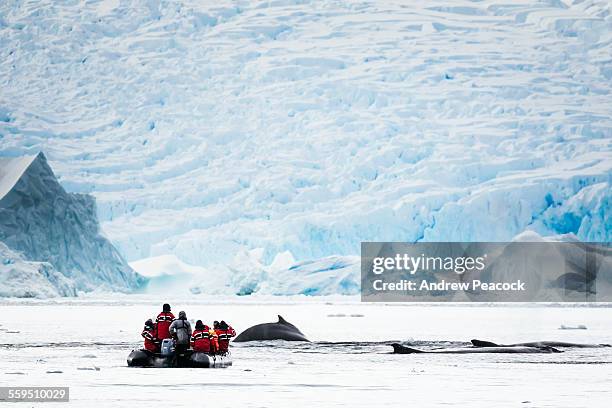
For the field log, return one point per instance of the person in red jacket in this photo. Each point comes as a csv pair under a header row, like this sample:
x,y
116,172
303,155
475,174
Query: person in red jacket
x,y
151,342
225,333
201,339
164,320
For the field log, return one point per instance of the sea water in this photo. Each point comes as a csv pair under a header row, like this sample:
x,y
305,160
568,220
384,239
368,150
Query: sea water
x,y
83,344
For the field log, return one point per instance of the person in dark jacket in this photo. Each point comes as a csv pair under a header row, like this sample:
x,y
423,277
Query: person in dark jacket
x,y
180,330
164,320
151,342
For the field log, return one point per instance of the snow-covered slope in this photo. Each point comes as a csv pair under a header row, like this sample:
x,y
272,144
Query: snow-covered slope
x,y
11,171
208,129
51,243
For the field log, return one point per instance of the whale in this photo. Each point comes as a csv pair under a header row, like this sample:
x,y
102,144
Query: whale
x,y
399,349
484,343
281,330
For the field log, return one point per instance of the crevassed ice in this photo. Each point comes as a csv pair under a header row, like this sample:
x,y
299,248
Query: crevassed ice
x,y
208,130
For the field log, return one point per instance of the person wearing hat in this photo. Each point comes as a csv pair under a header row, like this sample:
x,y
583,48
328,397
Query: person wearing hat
x,y
180,330
224,332
151,342
201,339
164,320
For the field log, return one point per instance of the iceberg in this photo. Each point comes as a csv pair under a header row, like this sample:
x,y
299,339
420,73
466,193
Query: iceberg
x,y
51,240
167,274
26,279
247,274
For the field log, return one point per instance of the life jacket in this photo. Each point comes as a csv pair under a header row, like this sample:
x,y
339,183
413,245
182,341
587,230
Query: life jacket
x,y
164,320
214,341
201,340
151,343
224,338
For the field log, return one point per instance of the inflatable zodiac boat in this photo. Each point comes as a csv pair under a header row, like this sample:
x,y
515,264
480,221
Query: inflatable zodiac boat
x,y
169,357
144,358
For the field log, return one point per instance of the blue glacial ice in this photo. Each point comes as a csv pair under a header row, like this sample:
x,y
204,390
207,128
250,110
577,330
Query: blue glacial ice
x,y
207,132
50,243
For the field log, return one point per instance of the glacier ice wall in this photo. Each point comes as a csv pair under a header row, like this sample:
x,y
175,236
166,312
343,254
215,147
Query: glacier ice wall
x,y
47,230
308,126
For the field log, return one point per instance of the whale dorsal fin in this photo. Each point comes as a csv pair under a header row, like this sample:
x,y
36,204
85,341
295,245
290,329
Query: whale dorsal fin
x,y
399,349
483,343
282,321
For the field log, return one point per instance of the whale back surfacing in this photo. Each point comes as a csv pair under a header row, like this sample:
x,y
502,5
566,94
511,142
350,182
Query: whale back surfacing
x,y
484,343
399,349
280,330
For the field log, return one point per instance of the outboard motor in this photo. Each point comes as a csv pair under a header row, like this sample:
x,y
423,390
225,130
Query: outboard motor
x,y
167,347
